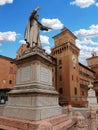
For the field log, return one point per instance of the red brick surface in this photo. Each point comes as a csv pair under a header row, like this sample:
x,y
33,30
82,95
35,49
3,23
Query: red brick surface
x,y
7,72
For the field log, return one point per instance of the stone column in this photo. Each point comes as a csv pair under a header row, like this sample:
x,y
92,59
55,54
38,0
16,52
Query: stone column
x,y
92,99
92,120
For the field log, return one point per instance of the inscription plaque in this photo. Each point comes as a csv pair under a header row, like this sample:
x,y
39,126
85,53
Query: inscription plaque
x,y
25,73
44,74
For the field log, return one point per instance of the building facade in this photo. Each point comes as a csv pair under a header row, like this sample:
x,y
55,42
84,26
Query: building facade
x,y
7,76
93,64
86,76
72,78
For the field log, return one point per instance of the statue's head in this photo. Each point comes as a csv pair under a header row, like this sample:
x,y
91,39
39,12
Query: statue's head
x,y
36,16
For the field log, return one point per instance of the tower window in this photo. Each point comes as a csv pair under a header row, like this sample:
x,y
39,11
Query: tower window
x,y
77,78
60,78
10,81
60,67
61,90
60,62
75,91
72,77
74,67
83,93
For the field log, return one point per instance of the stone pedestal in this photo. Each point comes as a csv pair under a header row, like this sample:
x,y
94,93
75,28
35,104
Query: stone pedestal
x,y
92,120
33,97
92,97
92,100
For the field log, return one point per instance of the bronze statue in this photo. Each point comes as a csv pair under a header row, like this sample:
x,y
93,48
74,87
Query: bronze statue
x,y
32,36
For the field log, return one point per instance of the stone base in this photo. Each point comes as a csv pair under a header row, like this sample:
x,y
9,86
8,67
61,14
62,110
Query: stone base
x,y
29,113
92,103
60,122
93,106
92,99
32,104
33,97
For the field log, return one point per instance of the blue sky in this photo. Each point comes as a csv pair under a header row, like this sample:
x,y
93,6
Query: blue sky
x,y
79,16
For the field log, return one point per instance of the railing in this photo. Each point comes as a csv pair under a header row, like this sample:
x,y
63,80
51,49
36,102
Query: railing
x,y
76,101
66,98
86,75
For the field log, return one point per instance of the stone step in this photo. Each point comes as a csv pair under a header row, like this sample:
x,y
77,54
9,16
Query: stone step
x,y
58,119
12,124
59,122
63,125
2,127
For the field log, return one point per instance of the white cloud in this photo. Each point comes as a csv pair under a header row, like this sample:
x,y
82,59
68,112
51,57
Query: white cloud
x,y
90,33
86,41
84,55
83,3
3,2
44,39
22,42
7,36
85,52
97,4
52,23
48,49
86,49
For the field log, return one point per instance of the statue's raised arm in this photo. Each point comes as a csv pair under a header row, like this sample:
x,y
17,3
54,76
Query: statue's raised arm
x,y
36,9
32,36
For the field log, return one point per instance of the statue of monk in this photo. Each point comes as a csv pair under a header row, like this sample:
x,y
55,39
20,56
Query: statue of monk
x,y
32,36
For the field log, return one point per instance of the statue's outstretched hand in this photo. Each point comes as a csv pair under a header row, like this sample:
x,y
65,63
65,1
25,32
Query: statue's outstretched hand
x,y
49,28
45,28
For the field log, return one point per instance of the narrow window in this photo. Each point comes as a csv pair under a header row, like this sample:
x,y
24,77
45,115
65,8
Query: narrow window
x,y
83,93
77,78
60,67
10,81
60,90
75,91
72,77
60,62
60,78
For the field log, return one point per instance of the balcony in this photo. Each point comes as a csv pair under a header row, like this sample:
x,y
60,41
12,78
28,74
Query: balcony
x,y
74,101
84,86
